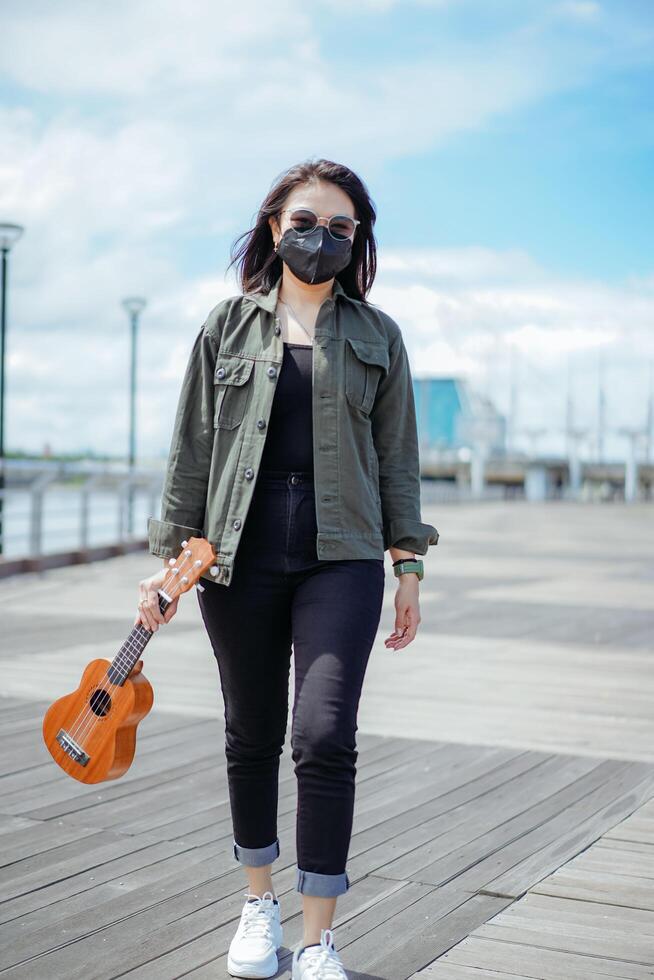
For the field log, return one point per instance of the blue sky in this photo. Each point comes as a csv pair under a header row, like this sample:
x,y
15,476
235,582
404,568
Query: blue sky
x,y
507,146
553,182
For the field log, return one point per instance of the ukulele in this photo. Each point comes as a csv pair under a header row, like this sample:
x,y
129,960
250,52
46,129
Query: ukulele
x,y
91,733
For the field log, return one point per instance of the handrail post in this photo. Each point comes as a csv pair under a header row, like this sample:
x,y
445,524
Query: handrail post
x,y
37,494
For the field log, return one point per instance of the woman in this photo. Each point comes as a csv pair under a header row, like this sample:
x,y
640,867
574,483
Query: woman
x,y
295,453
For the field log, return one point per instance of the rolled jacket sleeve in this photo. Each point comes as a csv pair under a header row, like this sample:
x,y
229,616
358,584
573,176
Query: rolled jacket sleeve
x,y
184,494
395,436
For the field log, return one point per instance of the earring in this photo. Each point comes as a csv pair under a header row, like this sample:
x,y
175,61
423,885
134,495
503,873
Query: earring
x,y
276,244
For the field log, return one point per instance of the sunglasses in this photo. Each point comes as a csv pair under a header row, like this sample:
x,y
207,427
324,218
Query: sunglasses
x,y
339,226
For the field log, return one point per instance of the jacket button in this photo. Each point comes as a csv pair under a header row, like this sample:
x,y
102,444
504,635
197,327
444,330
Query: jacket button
x,y
249,473
271,372
220,373
278,329
237,523
261,423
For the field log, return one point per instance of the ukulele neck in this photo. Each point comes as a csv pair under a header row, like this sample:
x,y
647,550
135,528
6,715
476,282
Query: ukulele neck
x,y
130,653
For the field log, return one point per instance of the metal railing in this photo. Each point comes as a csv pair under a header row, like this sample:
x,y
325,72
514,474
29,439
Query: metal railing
x,y
53,506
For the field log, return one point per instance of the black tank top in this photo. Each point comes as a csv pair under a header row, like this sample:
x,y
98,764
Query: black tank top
x,y
289,441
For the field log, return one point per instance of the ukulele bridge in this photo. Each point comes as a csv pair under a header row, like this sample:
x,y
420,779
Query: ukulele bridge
x,y
71,748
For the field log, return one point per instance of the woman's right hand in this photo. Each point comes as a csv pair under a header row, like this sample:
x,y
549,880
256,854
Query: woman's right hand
x,y
149,613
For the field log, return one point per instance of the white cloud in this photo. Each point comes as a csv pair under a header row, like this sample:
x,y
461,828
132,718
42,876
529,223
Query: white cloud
x,y
583,10
472,264
453,326
134,47
152,130
549,344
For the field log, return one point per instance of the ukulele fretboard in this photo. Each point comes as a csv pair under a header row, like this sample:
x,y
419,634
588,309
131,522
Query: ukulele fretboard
x,y
129,654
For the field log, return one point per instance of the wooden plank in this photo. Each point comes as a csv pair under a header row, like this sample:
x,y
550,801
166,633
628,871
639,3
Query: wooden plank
x,y
549,908
37,838
440,847
444,970
75,857
187,948
405,943
129,867
465,785
556,842
592,887
18,715
524,762
401,770
132,782
61,795
159,795
537,962
143,867
591,918
158,754
162,928
10,824
117,893
43,770
609,860
523,835
587,941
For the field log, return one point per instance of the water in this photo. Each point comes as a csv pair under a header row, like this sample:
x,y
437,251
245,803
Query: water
x,y
62,520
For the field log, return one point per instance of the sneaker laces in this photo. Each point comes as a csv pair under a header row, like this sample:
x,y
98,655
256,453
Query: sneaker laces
x,y
323,962
254,922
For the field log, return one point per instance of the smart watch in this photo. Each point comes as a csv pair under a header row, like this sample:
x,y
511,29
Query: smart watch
x,y
409,565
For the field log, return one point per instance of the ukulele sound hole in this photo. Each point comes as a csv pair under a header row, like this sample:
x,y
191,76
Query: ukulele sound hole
x,y
100,703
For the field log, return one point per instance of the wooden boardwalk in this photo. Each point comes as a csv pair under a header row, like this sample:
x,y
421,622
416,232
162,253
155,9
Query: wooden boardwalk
x,y
486,843
446,836
592,918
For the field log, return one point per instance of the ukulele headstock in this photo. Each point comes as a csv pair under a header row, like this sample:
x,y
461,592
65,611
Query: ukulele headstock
x,y
197,555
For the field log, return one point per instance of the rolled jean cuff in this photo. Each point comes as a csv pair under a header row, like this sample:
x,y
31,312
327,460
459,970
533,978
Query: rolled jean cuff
x,y
256,857
326,886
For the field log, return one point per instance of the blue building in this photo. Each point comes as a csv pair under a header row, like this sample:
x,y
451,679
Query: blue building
x,y
452,415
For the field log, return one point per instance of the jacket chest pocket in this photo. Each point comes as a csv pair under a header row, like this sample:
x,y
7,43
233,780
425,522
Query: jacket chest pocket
x,y
366,362
231,386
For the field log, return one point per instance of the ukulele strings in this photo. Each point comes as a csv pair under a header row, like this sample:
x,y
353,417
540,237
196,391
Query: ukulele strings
x,y
87,718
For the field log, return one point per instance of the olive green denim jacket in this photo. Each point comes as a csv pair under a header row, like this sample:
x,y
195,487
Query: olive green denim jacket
x,y
365,442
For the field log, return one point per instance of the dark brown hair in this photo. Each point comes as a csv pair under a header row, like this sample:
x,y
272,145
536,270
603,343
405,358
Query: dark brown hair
x,y
259,265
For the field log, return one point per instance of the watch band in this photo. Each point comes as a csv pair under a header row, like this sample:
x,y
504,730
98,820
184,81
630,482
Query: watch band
x,y
405,565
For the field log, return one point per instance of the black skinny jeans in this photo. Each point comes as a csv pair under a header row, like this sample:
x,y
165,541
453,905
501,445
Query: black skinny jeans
x,y
282,594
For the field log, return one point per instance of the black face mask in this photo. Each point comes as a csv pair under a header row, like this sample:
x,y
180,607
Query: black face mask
x,y
315,257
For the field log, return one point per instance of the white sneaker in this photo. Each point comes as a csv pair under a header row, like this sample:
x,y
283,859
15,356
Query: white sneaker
x,y
253,950
318,962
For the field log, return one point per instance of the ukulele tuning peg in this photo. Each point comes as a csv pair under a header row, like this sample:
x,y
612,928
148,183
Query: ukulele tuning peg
x,y
214,570
184,579
184,543
199,587
171,562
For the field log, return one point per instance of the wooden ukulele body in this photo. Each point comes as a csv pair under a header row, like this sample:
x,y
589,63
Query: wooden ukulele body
x,y
91,733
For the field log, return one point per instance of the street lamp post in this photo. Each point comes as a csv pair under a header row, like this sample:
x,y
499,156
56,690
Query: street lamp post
x,y
134,305
9,235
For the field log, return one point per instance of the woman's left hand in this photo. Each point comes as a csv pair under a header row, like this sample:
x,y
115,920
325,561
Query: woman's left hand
x,y
407,612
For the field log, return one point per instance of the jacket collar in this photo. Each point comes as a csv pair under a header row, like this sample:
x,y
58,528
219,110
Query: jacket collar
x,y
268,301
